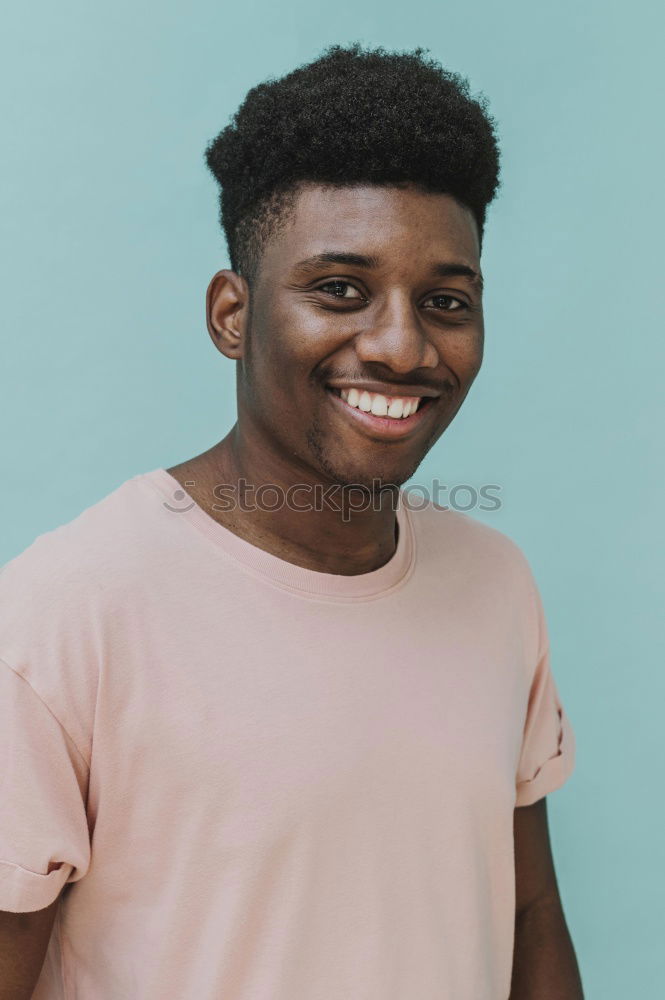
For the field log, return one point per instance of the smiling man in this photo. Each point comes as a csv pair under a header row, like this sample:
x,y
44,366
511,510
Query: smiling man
x,y
271,731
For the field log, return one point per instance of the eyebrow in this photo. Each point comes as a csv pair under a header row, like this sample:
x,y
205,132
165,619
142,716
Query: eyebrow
x,y
442,269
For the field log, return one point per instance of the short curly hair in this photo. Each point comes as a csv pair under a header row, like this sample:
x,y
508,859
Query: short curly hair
x,y
351,116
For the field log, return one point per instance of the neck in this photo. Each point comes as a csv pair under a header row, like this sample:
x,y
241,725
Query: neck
x,y
330,537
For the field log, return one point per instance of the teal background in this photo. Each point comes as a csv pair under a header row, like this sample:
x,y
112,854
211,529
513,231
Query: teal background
x,y
110,238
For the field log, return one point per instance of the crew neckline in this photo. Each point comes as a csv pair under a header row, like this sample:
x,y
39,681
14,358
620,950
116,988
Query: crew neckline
x,y
308,582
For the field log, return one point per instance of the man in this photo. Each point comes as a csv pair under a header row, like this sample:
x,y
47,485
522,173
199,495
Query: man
x,y
270,731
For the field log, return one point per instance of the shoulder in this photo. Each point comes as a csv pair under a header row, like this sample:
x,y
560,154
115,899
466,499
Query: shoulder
x,y
108,541
473,565
69,561
58,599
442,532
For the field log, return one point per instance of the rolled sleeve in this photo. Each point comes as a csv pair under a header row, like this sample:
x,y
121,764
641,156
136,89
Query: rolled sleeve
x,y
547,756
44,835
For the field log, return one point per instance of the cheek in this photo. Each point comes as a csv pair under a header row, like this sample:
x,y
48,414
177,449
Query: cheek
x,y
308,335
464,352
278,384
281,338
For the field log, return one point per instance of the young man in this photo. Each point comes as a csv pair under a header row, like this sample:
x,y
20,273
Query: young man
x,y
271,732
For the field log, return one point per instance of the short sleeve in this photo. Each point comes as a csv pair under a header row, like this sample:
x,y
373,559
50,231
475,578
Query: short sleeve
x,y
547,754
44,836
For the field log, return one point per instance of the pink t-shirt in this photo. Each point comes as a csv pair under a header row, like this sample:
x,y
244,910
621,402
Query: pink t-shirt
x,y
260,782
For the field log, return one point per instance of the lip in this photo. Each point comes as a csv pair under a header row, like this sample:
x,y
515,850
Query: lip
x,y
386,389
385,427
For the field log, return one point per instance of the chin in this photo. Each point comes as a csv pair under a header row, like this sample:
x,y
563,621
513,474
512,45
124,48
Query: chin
x,y
372,480
368,471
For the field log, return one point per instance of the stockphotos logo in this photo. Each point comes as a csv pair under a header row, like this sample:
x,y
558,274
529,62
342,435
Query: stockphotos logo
x,y
345,499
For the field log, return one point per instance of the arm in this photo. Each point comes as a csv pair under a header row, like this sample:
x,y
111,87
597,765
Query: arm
x,y
24,938
544,962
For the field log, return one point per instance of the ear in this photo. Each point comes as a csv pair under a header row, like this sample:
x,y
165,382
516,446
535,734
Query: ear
x,y
227,308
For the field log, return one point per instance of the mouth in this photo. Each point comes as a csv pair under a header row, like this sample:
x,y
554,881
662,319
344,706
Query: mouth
x,y
389,417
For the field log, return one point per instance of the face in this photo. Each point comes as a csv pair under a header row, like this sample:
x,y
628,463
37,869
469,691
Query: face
x,y
364,335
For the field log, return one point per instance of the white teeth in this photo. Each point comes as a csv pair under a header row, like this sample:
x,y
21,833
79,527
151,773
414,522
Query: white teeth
x,y
397,407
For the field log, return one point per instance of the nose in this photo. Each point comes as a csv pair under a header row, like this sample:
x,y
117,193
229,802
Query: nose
x,y
396,339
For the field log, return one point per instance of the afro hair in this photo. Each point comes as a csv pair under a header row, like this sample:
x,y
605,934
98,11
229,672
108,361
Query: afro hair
x,y
351,116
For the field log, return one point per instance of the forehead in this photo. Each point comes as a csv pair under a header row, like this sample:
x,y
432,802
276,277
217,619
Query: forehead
x,y
393,223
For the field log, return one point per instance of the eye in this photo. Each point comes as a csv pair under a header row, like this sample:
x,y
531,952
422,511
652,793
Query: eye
x,y
460,306
453,304
338,283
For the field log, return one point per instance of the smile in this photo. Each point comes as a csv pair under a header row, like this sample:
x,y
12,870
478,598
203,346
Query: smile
x,y
389,416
